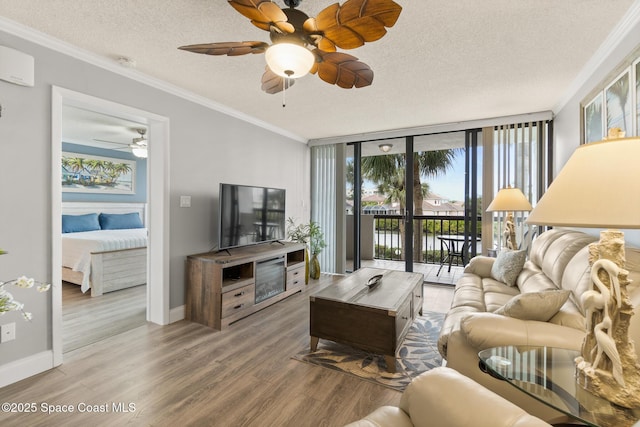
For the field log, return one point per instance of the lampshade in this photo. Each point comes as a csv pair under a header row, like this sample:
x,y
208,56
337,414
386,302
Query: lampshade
x,y
289,59
509,200
599,187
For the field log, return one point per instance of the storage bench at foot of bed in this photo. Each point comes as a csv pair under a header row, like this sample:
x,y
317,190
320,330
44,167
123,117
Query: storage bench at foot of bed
x,y
113,270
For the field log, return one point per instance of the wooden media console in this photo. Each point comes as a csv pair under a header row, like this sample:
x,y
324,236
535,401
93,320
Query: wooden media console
x,y
224,287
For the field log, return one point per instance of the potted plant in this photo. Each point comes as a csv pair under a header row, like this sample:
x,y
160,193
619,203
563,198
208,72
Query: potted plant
x,y
300,234
317,244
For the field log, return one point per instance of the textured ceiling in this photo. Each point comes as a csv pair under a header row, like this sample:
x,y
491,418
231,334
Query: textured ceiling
x,y
442,62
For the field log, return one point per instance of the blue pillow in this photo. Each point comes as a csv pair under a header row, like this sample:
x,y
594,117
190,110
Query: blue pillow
x,y
120,221
78,223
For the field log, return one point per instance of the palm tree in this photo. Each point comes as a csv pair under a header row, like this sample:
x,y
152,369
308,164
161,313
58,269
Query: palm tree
x,y
429,164
388,171
122,168
94,166
77,166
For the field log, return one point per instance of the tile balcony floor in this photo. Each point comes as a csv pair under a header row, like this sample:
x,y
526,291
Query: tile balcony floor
x,y
429,270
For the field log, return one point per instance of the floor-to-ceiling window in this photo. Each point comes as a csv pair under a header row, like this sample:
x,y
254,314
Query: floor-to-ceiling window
x,y
520,158
448,179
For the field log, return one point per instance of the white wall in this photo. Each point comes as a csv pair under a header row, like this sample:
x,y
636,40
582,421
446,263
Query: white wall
x,y
567,118
206,147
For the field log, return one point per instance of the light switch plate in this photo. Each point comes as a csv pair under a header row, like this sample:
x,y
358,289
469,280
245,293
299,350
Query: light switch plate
x,y
185,201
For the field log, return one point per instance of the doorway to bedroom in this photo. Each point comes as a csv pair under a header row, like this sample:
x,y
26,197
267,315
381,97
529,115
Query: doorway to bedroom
x,y
104,219
156,216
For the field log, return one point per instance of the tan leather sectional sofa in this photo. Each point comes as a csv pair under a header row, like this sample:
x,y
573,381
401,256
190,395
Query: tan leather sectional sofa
x,y
558,260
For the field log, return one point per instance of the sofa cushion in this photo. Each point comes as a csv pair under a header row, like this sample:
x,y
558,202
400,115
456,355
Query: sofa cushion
x,y
577,277
496,294
384,416
561,252
508,265
541,244
540,306
532,279
435,399
569,315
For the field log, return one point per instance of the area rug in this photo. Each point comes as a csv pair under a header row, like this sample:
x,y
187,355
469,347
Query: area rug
x,y
418,354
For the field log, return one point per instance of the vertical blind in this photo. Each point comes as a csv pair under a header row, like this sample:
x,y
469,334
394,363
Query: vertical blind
x,y
521,160
323,201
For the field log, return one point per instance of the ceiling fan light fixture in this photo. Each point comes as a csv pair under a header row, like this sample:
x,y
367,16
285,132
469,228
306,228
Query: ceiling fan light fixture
x,y
140,151
289,60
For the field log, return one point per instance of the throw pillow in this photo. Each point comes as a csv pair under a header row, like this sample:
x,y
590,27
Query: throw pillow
x,y
120,221
507,266
540,306
79,223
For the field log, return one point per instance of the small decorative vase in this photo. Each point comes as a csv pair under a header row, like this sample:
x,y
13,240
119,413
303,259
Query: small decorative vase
x,y
306,266
315,267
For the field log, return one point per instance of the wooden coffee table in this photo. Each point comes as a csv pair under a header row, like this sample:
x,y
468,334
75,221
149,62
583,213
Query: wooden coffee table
x,y
375,320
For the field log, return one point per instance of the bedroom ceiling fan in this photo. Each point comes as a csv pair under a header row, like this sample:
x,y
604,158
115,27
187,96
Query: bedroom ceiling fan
x,y
138,145
301,44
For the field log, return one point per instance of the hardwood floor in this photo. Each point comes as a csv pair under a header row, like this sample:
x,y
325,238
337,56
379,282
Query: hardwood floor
x,y
188,374
88,319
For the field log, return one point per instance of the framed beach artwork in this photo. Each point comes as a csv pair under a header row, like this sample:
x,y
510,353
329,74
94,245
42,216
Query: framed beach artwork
x,y
618,103
594,120
83,173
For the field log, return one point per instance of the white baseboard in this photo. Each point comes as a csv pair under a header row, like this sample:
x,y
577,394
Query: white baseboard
x,y
18,370
176,314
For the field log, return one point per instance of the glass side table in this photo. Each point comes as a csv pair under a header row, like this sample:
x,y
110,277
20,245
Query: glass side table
x,y
548,375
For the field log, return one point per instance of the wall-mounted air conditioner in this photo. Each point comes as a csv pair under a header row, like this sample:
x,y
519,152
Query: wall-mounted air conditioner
x,y
16,67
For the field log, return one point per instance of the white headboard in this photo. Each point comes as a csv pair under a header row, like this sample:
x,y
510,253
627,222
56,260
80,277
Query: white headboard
x,y
80,208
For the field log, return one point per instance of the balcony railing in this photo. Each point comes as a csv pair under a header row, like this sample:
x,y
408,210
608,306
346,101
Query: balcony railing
x,y
388,237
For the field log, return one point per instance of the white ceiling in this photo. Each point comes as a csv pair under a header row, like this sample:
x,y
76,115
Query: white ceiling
x,y
84,127
442,62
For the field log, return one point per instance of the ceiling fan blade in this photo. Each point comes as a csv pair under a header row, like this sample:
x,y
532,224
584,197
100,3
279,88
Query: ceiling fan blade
x,y
355,22
310,26
263,14
227,48
273,83
342,69
110,142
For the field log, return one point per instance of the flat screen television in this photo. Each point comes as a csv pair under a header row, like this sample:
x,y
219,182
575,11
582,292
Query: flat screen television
x,y
249,215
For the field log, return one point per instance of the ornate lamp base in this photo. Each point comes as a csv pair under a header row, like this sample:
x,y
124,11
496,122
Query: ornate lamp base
x,y
608,366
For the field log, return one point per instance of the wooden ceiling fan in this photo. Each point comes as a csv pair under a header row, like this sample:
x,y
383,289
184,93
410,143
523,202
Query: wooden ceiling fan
x,y
314,41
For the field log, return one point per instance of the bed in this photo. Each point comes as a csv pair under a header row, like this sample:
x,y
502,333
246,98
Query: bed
x,y
104,246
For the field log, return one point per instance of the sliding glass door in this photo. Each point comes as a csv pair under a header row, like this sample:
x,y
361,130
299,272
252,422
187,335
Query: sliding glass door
x,y
405,194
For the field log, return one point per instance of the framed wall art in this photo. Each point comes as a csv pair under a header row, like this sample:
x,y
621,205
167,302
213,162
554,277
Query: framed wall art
x,y
83,173
614,103
618,103
593,120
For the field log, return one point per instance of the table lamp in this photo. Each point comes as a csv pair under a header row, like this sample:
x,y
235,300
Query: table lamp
x,y
510,200
599,187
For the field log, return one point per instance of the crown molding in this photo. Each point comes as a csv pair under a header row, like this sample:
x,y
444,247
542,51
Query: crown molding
x,y
45,40
615,37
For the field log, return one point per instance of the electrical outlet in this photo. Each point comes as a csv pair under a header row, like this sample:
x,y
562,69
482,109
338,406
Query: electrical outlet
x,y
7,332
